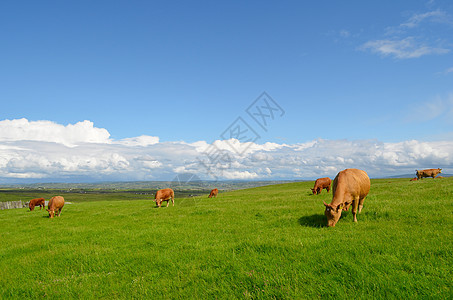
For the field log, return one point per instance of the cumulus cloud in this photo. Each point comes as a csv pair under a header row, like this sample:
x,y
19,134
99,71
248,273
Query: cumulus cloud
x,y
142,141
145,158
242,175
48,131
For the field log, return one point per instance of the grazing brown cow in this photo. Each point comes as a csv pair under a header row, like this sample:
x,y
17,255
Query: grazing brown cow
x,y
213,193
41,202
414,179
350,186
55,205
427,173
321,183
165,195
440,176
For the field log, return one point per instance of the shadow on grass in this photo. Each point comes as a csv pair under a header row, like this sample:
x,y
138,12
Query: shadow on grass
x,y
316,221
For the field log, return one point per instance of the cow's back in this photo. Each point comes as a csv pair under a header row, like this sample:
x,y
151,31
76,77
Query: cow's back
x,y
55,202
323,182
164,194
352,181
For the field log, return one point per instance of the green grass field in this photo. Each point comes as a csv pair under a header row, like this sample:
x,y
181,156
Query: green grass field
x,y
262,243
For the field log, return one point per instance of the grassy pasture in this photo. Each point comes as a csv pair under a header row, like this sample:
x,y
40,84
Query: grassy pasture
x,y
261,243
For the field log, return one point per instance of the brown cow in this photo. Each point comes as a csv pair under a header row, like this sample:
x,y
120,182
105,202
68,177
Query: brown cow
x,y
320,184
213,193
350,186
440,176
55,206
164,195
414,179
41,202
427,173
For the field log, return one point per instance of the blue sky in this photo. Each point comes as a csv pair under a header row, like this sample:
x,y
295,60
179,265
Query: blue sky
x,y
183,72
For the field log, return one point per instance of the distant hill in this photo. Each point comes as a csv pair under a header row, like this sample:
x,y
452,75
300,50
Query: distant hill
x,y
182,184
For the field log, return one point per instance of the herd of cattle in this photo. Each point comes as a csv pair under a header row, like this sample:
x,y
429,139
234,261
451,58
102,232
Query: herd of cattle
x,y
350,187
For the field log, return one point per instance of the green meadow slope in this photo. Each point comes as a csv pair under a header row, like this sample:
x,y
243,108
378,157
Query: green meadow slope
x,y
268,242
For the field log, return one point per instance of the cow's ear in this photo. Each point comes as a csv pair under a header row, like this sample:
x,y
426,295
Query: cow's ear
x,y
339,207
325,204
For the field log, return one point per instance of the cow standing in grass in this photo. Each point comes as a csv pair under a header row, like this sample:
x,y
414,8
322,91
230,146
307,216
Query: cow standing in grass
x,y
320,184
213,193
41,202
164,195
427,173
55,206
350,186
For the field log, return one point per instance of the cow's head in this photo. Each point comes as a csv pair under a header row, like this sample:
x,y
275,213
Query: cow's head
x,y
440,170
158,202
51,213
314,191
333,213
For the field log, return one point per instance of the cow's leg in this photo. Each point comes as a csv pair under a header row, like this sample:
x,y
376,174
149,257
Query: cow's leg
x,y
355,204
173,201
328,189
168,202
361,204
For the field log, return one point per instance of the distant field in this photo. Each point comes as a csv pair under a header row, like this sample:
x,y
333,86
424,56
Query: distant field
x,y
84,195
267,242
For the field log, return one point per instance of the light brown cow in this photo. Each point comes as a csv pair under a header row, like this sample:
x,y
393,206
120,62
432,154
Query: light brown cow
x,y
427,173
164,195
414,179
320,184
55,206
41,202
350,186
213,193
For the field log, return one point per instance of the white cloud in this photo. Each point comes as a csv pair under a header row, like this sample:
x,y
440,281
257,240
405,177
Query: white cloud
x,y
142,141
437,16
144,158
439,108
69,135
344,33
415,37
244,175
406,48
449,70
